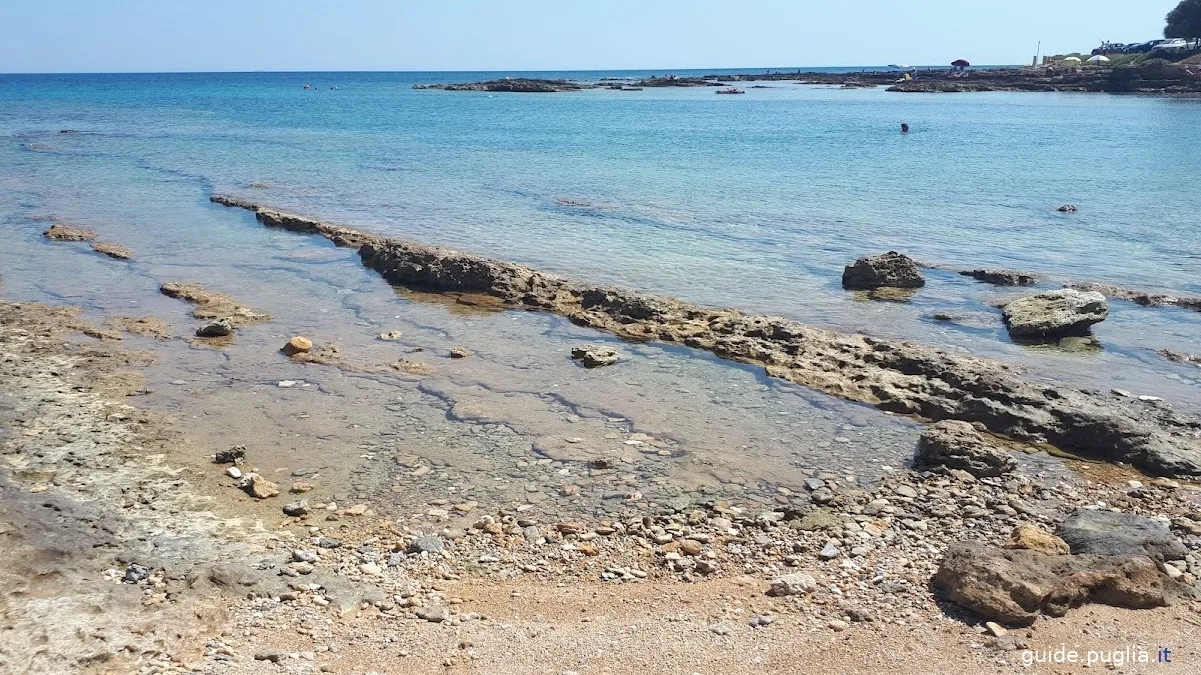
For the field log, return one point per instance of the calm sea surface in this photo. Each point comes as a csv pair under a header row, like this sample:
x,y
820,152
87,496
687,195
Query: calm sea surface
x,y
753,201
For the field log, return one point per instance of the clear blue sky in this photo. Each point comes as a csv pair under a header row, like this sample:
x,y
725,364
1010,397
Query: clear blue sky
x,y
221,35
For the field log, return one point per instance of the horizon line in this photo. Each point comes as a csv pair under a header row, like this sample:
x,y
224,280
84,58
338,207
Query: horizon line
x,y
510,70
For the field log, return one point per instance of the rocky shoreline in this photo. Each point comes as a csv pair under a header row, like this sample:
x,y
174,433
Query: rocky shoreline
x,y
898,377
1153,77
354,588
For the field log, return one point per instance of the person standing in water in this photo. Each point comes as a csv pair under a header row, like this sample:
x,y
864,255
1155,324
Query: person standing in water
x,y
904,127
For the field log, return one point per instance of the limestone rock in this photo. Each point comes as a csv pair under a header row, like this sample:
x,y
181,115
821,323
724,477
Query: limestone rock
x,y
957,445
1013,587
258,487
797,583
67,233
1108,533
116,251
297,345
459,353
1001,277
1055,314
218,328
892,269
1031,537
594,356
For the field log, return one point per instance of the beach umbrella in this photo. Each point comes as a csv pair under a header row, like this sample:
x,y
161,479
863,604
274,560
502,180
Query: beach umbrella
x,y
1072,59
1099,59
960,63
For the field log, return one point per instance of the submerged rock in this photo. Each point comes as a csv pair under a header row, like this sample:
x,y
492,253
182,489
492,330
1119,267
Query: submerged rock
x,y
1013,587
59,232
1055,314
1068,208
116,251
594,356
892,269
218,328
1001,277
1103,532
952,444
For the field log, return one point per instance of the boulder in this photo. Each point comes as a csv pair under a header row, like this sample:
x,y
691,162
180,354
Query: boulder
x,y
952,444
1055,314
297,345
1068,208
459,353
1098,532
892,269
218,328
594,356
1001,277
1031,537
1013,587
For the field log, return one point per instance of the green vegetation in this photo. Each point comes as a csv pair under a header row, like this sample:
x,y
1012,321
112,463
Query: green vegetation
x,y
1184,21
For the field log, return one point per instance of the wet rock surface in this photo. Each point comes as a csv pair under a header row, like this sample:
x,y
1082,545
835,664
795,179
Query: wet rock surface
x,y
59,232
111,250
1001,277
896,376
891,270
1055,314
952,444
594,356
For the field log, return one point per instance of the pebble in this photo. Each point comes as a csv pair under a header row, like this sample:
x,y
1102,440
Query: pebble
x,y
234,472
719,629
995,629
829,551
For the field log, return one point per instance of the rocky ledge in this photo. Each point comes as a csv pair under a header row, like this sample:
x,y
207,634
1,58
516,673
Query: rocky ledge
x,y
896,376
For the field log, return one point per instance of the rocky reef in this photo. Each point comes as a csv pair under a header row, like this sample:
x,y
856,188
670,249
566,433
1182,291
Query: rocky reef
x,y
509,84
896,376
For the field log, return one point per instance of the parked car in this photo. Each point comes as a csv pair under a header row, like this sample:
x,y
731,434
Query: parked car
x,y
1174,46
1144,47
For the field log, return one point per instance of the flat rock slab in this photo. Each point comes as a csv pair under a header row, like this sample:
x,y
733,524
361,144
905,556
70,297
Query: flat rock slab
x,y
1101,532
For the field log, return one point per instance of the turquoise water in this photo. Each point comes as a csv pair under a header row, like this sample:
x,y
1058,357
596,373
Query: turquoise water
x,y
752,201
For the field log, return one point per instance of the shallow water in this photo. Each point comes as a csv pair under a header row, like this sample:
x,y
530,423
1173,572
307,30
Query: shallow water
x,y
753,202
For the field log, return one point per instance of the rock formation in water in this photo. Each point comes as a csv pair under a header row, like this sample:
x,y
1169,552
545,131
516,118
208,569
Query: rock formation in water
x,y
890,270
1001,277
1054,314
896,376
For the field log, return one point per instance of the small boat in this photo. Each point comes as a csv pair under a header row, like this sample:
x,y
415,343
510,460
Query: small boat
x,y
731,90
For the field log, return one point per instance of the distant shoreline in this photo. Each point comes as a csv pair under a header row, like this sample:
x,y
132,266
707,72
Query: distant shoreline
x,y
1166,79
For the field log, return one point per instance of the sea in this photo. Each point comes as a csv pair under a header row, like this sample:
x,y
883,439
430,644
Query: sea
x,y
755,202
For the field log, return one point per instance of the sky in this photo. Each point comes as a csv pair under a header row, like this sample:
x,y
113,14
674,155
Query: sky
x,y
313,35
